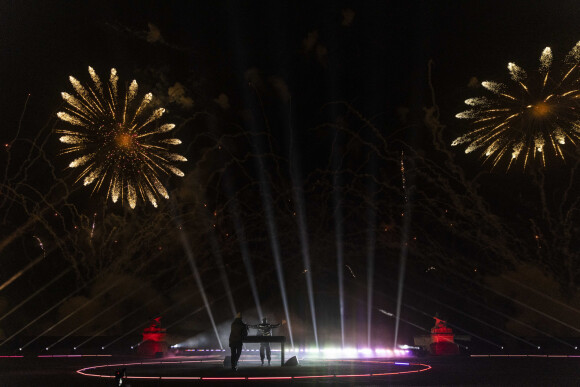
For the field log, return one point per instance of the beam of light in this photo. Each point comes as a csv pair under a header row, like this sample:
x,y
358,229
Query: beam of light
x,y
223,275
240,60
382,294
459,328
88,302
196,311
167,326
103,311
68,297
510,317
242,240
371,246
241,233
541,294
266,196
302,230
455,327
140,326
456,310
198,281
163,312
59,276
403,320
118,321
430,316
111,306
522,304
404,247
338,235
270,223
24,270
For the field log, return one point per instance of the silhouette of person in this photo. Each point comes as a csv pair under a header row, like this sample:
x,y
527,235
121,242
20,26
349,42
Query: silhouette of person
x,y
265,329
238,332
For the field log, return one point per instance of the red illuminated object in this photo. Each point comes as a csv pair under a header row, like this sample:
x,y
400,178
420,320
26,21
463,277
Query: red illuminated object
x,y
153,343
442,342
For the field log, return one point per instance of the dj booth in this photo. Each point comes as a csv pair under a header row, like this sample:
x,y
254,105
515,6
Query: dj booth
x,y
268,339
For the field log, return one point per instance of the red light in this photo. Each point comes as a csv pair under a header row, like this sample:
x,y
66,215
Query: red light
x,y
223,378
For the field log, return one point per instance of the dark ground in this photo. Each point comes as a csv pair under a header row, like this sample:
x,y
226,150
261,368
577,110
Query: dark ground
x,y
463,371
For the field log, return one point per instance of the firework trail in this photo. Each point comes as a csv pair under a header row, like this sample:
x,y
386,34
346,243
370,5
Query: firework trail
x,y
41,245
117,143
403,177
93,225
530,115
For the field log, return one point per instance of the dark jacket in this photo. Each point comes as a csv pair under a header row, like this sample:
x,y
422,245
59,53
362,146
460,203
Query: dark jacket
x,y
238,332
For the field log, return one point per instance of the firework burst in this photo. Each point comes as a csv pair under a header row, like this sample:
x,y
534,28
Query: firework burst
x,y
118,141
529,116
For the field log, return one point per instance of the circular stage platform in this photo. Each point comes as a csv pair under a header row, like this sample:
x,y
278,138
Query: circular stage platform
x,y
213,370
91,370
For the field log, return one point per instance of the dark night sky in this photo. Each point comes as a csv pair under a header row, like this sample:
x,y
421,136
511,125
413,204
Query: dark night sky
x,y
377,62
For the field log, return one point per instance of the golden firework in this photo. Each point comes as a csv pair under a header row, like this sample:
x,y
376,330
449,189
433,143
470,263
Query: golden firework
x,y
117,141
528,116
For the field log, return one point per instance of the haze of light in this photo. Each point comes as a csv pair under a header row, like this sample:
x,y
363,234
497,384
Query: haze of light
x,y
529,116
117,143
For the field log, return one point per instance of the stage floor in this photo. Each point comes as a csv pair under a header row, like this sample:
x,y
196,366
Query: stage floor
x,y
428,371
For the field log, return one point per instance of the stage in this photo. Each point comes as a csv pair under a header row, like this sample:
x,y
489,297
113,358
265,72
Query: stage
x,y
176,371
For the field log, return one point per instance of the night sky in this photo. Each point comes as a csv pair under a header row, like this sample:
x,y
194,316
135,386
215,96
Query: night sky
x,y
295,116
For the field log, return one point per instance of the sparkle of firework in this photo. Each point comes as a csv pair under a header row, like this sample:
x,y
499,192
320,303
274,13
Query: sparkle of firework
x,y
116,141
403,178
40,244
530,115
93,226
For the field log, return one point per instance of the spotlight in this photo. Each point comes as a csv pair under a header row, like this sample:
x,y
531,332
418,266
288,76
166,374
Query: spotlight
x,y
74,348
20,349
538,347
46,348
103,348
575,347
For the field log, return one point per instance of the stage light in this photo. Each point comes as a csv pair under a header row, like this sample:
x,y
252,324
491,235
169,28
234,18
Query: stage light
x,y
366,351
349,352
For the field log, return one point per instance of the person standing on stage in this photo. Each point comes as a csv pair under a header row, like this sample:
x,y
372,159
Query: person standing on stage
x,y
265,329
238,332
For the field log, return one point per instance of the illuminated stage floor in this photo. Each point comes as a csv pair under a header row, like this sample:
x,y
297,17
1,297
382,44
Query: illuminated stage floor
x,y
463,371
187,369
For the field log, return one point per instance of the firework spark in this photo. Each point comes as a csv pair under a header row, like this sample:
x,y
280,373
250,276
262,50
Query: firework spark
x,y
41,245
116,141
530,115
